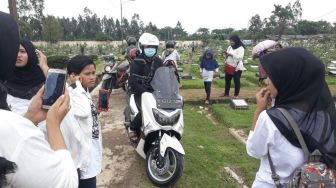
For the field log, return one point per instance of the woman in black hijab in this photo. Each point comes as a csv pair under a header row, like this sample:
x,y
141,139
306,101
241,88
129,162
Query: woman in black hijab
x,y
296,82
234,57
302,90
28,77
9,42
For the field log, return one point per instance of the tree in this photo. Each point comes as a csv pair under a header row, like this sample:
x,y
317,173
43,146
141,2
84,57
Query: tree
x,y
151,28
52,30
30,18
256,27
204,34
135,28
166,33
179,32
284,17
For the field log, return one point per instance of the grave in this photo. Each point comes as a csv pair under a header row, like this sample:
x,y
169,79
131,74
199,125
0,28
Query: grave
x,y
332,73
180,69
332,65
238,104
187,76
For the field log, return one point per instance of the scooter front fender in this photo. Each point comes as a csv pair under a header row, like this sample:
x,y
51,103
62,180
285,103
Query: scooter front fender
x,y
172,142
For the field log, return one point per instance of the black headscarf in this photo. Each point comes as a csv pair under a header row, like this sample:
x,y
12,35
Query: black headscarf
x,y
238,42
9,46
299,78
27,80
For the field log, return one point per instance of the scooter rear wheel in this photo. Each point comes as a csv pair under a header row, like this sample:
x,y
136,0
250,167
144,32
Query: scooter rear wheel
x,y
170,172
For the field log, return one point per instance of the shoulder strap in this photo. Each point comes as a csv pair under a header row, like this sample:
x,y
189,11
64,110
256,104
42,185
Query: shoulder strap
x,y
297,131
299,136
275,176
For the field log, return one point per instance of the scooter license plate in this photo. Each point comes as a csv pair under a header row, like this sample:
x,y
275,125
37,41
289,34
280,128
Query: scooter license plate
x,y
169,103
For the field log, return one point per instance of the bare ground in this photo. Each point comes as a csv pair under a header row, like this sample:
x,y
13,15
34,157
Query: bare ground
x,y
122,166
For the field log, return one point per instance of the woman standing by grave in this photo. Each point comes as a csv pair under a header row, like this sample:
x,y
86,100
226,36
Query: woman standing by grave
x,y
234,58
207,67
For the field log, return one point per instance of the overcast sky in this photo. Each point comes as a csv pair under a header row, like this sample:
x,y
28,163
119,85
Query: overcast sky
x,y
193,14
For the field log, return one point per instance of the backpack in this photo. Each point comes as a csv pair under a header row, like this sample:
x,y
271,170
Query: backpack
x,y
313,173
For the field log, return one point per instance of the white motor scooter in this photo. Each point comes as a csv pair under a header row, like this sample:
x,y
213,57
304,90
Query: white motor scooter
x,y
161,129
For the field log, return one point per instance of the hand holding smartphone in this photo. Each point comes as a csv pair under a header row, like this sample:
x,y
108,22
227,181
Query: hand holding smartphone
x,y
54,87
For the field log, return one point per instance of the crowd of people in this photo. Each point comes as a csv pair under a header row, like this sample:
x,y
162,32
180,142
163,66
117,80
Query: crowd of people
x,y
59,147
62,146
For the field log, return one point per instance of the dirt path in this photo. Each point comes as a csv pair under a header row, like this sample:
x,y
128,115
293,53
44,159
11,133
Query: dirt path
x,y
122,167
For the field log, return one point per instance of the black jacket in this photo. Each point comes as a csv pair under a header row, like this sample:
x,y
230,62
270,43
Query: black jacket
x,y
142,73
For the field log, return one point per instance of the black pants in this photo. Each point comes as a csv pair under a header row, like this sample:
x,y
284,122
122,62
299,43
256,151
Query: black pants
x,y
88,183
207,87
137,121
236,79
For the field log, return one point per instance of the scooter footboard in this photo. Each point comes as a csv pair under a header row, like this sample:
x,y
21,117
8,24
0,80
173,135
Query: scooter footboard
x,y
172,142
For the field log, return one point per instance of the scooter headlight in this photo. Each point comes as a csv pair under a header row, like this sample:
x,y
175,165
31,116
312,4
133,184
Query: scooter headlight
x,y
107,68
166,120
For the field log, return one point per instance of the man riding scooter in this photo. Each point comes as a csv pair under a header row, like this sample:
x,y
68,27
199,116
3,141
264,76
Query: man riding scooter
x,y
141,73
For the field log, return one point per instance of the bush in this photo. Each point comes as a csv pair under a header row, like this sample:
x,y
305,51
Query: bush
x,y
94,57
58,61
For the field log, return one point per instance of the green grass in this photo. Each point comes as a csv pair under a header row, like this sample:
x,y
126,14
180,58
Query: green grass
x,y
192,84
331,80
99,66
220,83
204,167
239,119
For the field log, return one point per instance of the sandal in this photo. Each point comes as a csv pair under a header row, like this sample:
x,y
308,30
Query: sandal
x,y
133,136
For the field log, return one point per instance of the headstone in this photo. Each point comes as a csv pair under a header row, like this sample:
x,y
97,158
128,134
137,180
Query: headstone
x,y
238,104
332,73
332,65
254,66
222,75
186,76
180,69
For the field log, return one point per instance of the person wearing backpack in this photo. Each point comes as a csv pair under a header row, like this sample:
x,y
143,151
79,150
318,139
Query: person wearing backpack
x,y
296,83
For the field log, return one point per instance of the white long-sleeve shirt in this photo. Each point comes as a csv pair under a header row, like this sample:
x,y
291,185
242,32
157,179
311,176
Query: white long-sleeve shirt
x,y
172,56
38,165
236,59
286,157
18,105
83,109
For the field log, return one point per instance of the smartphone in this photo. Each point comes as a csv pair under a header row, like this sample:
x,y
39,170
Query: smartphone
x,y
103,100
54,87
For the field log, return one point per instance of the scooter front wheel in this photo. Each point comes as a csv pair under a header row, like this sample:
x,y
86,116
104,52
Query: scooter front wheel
x,y
166,172
107,84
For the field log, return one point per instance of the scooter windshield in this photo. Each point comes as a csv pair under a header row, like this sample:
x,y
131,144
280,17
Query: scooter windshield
x,y
166,88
